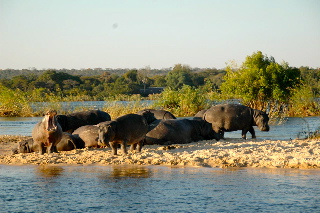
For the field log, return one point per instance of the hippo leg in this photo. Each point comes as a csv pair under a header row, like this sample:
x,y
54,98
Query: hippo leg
x,y
124,147
221,134
251,130
244,133
51,149
42,149
114,147
139,145
133,147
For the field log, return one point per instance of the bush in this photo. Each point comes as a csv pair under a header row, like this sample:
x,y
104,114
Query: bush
x,y
186,101
303,103
13,103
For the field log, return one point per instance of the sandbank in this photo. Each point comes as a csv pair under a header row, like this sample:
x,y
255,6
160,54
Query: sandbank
x,y
302,154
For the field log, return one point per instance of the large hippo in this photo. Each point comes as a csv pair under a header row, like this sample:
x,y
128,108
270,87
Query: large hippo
x,y
68,142
73,121
159,114
47,133
232,117
179,131
129,129
88,135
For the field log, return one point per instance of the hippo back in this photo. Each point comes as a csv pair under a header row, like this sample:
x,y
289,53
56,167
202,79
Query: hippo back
x,y
179,131
130,127
229,117
199,115
159,114
87,135
71,122
68,142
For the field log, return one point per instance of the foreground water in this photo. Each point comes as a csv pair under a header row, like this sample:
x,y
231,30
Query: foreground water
x,y
157,189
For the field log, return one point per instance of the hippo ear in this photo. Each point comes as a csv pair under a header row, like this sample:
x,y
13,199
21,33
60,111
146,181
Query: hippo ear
x,y
107,128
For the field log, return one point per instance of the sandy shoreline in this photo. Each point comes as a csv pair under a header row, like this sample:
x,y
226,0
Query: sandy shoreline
x,y
304,154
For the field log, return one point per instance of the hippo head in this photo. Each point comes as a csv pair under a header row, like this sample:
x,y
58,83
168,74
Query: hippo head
x,y
106,133
23,147
261,119
50,121
207,132
148,115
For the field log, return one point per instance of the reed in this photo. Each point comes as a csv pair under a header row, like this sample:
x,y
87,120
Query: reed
x,y
116,109
13,103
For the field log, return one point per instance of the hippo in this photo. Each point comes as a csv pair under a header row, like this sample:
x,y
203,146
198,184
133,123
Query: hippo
x,y
199,114
129,129
148,115
26,146
159,114
73,121
179,131
232,117
67,143
88,135
47,133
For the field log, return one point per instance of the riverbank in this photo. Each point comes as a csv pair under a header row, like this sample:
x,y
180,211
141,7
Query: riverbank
x,y
303,154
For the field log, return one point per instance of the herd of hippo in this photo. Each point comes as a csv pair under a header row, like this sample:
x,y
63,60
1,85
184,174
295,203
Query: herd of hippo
x,y
94,128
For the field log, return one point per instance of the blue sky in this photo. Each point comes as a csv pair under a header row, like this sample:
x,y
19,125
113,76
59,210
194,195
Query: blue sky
x,y
157,33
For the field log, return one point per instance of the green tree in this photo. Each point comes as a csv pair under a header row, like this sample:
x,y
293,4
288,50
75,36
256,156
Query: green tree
x,y
52,80
260,81
179,76
159,81
131,76
186,101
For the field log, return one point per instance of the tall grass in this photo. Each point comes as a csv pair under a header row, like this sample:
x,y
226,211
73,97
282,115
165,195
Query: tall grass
x,y
14,103
303,103
116,109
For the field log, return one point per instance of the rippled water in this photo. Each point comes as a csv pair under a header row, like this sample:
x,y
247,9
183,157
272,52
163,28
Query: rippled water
x,y
157,189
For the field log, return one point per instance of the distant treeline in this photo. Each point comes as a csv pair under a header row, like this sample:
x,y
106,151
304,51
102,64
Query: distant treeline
x,y
100,84
9,73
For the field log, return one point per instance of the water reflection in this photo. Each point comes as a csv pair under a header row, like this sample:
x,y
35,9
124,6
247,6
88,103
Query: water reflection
x,y
267,171
130,172
49,171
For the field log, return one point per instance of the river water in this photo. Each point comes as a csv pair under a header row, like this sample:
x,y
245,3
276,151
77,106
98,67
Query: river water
x,y
157,189
290,128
